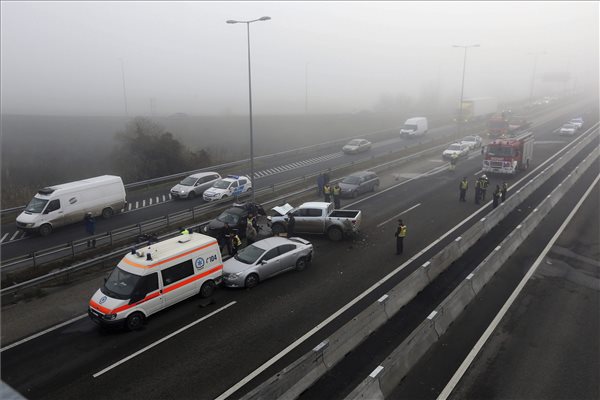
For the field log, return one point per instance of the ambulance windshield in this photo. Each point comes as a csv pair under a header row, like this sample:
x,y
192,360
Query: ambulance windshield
x,y
120,284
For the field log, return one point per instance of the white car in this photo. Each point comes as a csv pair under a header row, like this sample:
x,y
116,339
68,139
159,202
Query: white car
x,y
568,129
266,258
474,141
578,122
231,186
460,149
194,185
357,146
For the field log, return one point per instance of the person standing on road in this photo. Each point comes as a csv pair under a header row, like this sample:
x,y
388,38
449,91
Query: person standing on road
x,y
484,184
90,228
496,196
228,236
477,190
251,233
291,223
463,186
400,235
320,183
327,192
453,161
504,190
337,191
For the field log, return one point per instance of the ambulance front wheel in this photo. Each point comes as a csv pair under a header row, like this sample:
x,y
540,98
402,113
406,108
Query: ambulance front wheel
x,y
135,321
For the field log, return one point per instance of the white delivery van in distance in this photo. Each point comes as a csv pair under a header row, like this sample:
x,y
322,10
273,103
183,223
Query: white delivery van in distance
x,y
155,277
68,203
416,126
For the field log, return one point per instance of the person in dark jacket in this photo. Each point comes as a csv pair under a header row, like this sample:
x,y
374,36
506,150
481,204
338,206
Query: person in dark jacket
x,y
504,190
320,183
90,228
291,223
496,196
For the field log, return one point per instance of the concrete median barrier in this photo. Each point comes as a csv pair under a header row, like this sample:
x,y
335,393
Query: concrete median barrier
x,y
405,356
353,333
405,291
368,389
471,236
452,306
293,379
443,259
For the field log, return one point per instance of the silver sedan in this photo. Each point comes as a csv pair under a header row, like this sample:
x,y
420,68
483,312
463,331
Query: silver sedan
x,y
265,259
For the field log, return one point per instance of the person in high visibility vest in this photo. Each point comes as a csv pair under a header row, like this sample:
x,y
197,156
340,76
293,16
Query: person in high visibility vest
x,y
484,184
400,235
504,190
496,197
327,192
185,231
463,186
337,191
477,190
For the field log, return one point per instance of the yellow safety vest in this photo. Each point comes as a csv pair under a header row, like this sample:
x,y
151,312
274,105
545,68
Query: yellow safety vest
x,y
337,190
464,184
185,232
402,231
326,189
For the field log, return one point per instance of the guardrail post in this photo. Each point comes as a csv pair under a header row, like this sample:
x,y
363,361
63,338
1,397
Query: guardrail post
x,y
139,229
194,215
73,249
33,258
111,237
167,217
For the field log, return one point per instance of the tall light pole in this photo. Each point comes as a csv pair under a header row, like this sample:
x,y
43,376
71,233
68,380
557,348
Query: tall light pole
x,y
124,91
535,57
462,86
231,21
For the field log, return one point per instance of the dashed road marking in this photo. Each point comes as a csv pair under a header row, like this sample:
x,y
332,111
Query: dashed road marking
x,y
149,201
4,237
15,235
129,206
137,204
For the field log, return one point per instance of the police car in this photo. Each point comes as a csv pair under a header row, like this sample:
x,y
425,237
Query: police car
x,y
231,186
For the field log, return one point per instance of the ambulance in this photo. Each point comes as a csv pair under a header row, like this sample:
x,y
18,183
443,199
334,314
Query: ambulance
x,y
155,277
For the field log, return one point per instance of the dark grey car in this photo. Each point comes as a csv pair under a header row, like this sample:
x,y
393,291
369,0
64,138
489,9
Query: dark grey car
x,y
359,182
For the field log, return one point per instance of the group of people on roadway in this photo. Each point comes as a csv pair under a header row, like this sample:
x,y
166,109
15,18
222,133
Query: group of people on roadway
x,y
481,185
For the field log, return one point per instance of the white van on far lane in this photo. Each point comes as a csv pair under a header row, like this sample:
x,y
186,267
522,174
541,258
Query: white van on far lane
x,y
68,203
156,277
416,126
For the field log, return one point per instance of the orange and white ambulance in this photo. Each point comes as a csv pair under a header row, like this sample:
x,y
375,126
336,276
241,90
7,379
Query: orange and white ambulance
x,y
155,277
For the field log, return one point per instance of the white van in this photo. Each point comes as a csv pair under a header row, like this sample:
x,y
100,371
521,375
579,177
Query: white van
x,y
155,277
67,203
414,127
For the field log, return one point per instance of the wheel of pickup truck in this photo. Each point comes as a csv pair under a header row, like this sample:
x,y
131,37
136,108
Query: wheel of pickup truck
x,y
334,233
277,229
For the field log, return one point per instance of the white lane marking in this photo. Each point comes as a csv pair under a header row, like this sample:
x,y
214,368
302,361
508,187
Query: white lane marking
x,y
149,201
4,237
137,204
55,327
170,197
164,198
15,235
158,199
490,329
332,317
169,336
431,171
129,206
397,215
143,203
436,161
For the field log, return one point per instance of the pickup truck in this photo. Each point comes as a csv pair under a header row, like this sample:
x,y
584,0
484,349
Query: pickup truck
x,y
318,218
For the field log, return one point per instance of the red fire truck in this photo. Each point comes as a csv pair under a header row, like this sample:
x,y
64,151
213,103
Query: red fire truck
x,y
508,155
501,125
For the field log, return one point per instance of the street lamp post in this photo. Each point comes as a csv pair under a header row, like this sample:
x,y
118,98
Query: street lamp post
x,y
462,86
535,57
231,21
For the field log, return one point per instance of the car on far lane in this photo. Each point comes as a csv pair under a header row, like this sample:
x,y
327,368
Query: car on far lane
x,y
265,259
461,150
232,185
194,185
357,146
578,122
568,130
474,141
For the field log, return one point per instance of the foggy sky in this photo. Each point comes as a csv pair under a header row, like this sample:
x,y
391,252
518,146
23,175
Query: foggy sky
x,y
64,58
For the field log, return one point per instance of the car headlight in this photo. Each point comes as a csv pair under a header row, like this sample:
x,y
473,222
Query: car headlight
x,y
109,317
183,191
232,276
